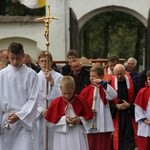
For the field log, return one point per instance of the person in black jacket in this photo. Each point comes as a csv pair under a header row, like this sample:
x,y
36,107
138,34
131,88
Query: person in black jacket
x,y
28,61
143,77
134,74
80,75
71,56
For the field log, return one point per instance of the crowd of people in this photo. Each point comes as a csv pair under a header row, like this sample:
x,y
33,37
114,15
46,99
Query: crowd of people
x,y
72,108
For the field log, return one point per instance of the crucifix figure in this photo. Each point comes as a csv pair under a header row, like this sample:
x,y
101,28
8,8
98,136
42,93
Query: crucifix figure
x,y
47,20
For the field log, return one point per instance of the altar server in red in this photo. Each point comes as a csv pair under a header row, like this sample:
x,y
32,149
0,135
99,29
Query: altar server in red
x,y
70,116
97,95
142,115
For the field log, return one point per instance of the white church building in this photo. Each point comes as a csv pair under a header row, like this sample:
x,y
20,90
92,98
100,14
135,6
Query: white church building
x,y
30,33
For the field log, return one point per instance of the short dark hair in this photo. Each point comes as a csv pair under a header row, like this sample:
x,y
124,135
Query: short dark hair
x,y
99,70
16,48
72,52
113,58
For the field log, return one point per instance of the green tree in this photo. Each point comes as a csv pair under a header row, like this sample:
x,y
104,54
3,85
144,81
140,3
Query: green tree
x,y
2,7
113,33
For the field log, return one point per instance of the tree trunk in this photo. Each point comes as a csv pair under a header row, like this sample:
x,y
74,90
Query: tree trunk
x,y
138,45
86,41
106,40
147,45
2,7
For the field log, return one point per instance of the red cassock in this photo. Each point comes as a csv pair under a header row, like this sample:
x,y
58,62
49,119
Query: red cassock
x,y
88,91
97,141
57,109
115,120
143,97
141,100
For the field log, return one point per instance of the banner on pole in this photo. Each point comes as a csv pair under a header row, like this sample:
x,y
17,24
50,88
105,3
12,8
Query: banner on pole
x,y
33,3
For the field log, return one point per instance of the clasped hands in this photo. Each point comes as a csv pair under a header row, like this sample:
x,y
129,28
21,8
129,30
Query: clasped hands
x,y
73,121
12,118
123,105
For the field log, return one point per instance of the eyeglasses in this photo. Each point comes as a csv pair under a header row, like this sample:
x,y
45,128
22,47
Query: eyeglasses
x,y
43,61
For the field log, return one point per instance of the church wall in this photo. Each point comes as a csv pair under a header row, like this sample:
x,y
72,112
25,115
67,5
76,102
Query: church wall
x,y
59,29
31,34
30,47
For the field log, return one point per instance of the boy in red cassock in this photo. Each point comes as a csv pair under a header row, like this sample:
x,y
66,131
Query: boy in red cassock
x,y
142,115
69,115
97,95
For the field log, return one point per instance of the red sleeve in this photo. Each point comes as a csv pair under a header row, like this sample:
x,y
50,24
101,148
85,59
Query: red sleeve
x,y
143,97
56,110
87,93
82,108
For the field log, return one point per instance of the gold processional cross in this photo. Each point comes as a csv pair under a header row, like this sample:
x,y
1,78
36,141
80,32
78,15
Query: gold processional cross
x,y
47,20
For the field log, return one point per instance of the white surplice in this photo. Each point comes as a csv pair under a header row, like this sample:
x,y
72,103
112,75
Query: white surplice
x,y
70,137
53,92
140,113
18,94
103,120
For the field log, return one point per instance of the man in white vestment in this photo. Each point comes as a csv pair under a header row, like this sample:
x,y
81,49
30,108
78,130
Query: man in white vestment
x,y
18,96
53,79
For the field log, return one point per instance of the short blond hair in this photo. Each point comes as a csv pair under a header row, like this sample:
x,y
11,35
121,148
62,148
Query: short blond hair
x,y
67,82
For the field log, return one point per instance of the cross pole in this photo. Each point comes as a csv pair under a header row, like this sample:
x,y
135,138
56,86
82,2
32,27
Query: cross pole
x,y
47,20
